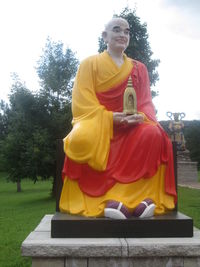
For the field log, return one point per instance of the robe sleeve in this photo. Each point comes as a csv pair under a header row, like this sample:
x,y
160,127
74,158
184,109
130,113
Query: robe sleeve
x,y
89,140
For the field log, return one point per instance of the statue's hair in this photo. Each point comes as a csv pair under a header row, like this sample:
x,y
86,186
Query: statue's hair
x,y
115,18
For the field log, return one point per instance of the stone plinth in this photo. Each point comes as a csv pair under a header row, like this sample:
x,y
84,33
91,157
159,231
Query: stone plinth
x,y
187,171
109,252
172,224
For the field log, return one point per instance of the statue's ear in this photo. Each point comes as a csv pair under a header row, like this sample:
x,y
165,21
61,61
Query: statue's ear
x,y
104,36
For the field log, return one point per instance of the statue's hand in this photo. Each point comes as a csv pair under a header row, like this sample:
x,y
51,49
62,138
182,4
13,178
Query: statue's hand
x,y
121,119
134,119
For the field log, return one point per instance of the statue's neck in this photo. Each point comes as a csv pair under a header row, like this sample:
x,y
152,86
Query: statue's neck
x,y
117,57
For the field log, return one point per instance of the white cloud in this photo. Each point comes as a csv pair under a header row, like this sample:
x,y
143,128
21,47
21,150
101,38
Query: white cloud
x,y
186,17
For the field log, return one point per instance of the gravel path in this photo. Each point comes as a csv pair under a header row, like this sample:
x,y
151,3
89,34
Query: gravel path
x,y
193,185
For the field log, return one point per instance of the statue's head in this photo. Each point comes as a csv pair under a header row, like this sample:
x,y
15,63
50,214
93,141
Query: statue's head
x,y
116,35
176,116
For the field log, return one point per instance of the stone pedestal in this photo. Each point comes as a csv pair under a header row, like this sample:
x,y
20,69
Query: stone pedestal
x,y
109,252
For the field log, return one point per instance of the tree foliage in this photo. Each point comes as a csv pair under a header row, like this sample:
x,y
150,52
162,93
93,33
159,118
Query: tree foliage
x,y
3,131
192,136
56,68
35,121
139,47
20,128
3,119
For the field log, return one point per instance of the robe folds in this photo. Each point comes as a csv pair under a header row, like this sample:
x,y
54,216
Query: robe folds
x,y
104,162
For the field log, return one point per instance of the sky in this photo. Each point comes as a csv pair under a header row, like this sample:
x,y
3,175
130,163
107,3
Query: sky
x,y
174,35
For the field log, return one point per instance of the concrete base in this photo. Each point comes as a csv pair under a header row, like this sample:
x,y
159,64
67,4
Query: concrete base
x,y
109,252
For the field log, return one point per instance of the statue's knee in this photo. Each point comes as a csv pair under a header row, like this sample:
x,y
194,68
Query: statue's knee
x,y
80,138
152,132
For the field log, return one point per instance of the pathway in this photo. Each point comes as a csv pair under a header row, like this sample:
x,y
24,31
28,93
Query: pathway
x,y
193,185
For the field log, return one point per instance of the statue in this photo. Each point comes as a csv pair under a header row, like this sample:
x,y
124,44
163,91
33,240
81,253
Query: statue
x,y
186,169
176,129
119,160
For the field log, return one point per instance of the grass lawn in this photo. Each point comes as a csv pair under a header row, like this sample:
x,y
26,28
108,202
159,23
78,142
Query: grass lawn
x,y
19,215
189,203
21,212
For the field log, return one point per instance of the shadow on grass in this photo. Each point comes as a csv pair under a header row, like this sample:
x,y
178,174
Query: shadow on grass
x,y
39,200
33,202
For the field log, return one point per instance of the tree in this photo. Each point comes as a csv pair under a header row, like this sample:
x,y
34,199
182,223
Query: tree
x,y
28,149
20,129
139,47
192,134
56,70
3,131
3,119
35,121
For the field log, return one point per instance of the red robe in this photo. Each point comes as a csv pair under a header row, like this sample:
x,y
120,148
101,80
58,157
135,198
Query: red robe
x,y
135,152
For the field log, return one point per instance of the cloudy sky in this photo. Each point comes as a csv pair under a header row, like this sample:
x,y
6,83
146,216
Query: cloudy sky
x,y
174,36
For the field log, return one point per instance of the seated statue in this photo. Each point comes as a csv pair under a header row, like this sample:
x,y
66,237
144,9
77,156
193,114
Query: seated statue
x,y
117,164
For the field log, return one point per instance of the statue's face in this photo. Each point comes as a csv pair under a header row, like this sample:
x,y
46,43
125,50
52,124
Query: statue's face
x,y
116,35
176,116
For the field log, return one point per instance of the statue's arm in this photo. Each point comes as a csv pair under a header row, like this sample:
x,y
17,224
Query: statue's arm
x,y
89,140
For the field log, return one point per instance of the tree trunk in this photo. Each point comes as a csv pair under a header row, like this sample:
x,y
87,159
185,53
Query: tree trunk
x,y
57,179
19,189
53,190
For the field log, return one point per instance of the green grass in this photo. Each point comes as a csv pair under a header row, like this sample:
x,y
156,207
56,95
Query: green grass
x,y
189,203
19,215
21,212
199,176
